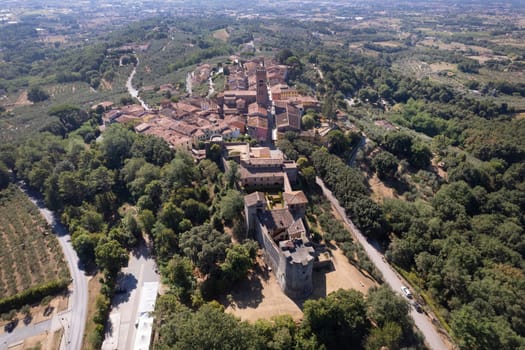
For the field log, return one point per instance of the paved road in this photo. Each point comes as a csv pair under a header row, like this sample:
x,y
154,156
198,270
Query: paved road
x,y
132,91
121,329
431,335
74,321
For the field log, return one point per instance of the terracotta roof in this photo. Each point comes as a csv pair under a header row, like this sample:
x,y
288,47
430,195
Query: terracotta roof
x,y
240,93
254,198
258,122
294,198
260,152
142,127
277,219
296,230
269,172
287,115
257,109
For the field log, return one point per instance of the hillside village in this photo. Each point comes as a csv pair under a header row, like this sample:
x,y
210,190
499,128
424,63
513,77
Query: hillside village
x,y
256,101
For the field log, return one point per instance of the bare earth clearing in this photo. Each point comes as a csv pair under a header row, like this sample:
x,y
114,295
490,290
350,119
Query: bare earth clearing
x,y
221,34
261,297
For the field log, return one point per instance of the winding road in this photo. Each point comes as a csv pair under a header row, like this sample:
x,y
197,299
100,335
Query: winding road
x,y
132,91
422,321
74,320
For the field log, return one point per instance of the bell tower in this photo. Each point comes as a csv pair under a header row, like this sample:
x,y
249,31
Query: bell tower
x,y
262,89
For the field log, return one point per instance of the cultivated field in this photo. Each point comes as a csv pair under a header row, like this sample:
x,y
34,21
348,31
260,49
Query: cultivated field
x,y
30,254
221,34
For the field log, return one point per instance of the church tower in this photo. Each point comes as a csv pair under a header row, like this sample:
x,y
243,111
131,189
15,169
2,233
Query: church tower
x,y
262,89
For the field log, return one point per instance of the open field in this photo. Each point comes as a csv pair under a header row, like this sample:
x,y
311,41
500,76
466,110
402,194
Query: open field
x,y
29,252
221,34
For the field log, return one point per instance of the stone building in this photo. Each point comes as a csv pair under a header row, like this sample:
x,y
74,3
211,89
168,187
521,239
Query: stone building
x,y
283,236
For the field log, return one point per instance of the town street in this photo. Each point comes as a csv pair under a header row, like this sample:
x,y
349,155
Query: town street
x,y
121,329
422,322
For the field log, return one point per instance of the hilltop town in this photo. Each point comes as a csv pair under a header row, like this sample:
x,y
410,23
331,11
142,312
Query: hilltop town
x,y
256,101
258,104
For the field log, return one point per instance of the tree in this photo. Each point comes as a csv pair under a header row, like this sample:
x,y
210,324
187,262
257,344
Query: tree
x,y
195,211
337,320
84,245
385,164
116,145
207,328
205,246
111,257
385,306
239,259
5,177
170,215
147,220
154,150
231,205
420,155
214,153
69,118
398,143
388,336
209,170
283,55
338,143
309,175
180,171
36,94
307,122
179,274
166,242
231,175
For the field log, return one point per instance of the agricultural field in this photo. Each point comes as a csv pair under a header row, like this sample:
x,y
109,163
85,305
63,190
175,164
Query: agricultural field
x,y
24,118
30,254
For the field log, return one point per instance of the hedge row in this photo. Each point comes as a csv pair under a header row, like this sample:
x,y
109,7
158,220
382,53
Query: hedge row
x,y
33,295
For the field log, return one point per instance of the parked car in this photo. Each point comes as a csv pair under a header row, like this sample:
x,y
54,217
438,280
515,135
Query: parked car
x,y
406,291
417,306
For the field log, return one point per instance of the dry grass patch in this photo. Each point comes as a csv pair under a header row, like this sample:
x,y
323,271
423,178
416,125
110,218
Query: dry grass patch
x,y
443,66
94,287
221,34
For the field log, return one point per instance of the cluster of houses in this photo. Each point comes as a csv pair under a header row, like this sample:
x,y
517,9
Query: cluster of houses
x,y
256,101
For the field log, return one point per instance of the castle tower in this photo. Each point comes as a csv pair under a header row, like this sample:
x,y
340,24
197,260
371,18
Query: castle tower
x,y
262,89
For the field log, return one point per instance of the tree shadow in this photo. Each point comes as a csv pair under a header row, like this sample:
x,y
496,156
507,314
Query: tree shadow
x,y
248,292
109,329
141,250
8,328
126,283
399,185
319,285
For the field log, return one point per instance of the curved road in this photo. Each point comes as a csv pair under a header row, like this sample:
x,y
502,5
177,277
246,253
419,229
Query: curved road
x,y
423,323
132,91
74,321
